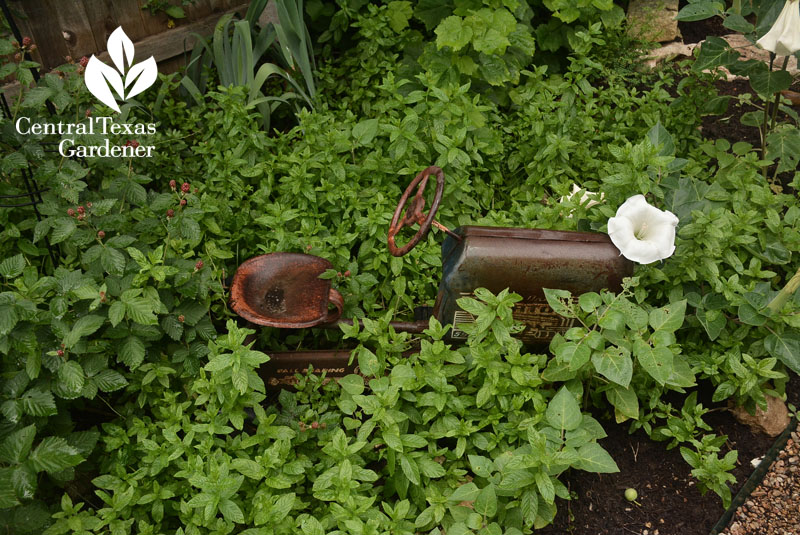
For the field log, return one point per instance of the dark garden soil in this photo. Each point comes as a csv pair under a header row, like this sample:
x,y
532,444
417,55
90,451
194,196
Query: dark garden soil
x,y
694,32
669,501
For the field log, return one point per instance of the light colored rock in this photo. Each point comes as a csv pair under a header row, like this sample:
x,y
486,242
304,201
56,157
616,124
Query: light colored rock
x,y
772,422
269,15
668,53
653,20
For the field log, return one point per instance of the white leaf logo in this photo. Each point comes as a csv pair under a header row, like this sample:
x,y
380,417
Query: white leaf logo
x,y
127,80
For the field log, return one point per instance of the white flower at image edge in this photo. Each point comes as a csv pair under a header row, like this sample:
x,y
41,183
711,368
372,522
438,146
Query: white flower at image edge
x,y
641,232
783,39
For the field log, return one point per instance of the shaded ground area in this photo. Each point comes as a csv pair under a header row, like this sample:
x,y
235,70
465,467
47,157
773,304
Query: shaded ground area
x,y
670,503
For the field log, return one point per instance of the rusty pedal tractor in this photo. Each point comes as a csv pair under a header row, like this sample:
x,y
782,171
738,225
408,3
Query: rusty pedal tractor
x,y
284,289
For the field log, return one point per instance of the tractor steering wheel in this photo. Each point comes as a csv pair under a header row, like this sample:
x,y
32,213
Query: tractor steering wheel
x,y
414,213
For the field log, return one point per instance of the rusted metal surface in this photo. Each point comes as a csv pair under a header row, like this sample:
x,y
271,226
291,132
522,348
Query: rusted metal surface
x,y
526,261
414,213
284,290
414,327
280,371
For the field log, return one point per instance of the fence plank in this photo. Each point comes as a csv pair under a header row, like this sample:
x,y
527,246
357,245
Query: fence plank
x,y
174,42
153,24
73,25
51,45
105,16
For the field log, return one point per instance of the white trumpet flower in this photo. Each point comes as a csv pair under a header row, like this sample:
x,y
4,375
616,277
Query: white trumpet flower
x,y
783,39
641,232
588,197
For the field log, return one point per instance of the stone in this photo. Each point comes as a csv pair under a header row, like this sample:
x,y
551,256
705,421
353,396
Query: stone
x,y
668,53
653,20
269,15
772,422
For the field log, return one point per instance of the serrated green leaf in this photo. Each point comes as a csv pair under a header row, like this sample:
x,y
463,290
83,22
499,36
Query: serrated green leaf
x,y
172,327
116,312
453,32
430,468
83,441
82,328
248,468
661,139
8,319
113,261
16,446
464,493
71,376
545,486
12,267
239,379
33,365
368,362
110,381
486,502
140,310
63,228
231,511
410,468
38,402
365,131
311,526
53,454
131,352
399,12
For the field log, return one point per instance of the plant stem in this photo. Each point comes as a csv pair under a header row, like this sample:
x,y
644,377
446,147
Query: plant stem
x,y
786,292
737,7
778,97
765,123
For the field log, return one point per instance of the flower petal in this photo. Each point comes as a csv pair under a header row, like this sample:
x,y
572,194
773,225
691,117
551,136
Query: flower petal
x,y
641,251
620,230
783,38
642,232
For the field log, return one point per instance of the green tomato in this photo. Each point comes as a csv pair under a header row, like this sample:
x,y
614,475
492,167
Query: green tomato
x,y
631,494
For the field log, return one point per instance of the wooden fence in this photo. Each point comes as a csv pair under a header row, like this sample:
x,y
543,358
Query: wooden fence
x,y
77,28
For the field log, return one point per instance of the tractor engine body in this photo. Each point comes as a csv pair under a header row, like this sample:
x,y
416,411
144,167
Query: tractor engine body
x,y
526,261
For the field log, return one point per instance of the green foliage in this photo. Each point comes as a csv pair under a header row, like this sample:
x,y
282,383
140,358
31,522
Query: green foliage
x,y
458,438
236,49
172,10
466,439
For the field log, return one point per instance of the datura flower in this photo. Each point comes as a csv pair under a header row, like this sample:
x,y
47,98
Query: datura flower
x,y
641,232
588,197
783,39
